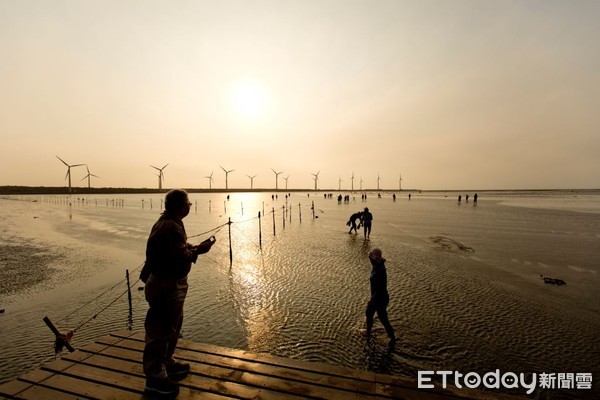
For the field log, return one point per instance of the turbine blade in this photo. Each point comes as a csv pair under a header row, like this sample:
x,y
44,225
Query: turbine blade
x,y
63,161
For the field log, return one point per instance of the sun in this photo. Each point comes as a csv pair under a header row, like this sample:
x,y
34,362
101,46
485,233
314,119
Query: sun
x,y
250,100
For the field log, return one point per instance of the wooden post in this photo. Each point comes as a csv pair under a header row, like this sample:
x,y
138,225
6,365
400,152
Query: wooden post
x,y
259,231
313,209
209,205
300,212
283,215
225,207
128,290
273,221
58,334
230,249
242,204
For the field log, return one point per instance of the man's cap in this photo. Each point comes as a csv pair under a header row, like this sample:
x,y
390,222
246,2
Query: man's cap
x,y
376,254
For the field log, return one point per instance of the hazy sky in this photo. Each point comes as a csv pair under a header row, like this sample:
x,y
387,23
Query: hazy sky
x,y
448,94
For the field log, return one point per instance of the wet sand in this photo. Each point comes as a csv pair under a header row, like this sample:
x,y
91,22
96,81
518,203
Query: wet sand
x,y
464,281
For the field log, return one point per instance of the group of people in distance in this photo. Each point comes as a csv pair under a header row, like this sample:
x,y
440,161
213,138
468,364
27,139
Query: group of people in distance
x,y
364,219
169,258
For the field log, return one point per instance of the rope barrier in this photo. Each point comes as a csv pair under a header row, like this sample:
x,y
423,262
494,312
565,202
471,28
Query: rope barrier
x,y
64,339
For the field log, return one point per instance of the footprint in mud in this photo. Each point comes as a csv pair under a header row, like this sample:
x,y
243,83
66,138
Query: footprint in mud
x,y
448,243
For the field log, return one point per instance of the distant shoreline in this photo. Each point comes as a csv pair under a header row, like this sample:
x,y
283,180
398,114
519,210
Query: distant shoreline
x,y
63,190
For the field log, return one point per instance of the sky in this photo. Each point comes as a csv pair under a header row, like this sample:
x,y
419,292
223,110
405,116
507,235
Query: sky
x,y
446,95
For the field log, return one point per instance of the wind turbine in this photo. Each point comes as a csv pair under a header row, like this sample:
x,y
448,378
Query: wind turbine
x,y
161,175
286,180
340,183
316,179
352,179
276,178
378,179
226,175
89,174
69,170
400,183
251,181
361,183
210,180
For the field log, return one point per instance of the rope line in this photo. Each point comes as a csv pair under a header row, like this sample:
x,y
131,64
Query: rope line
x,y
94,316
97,297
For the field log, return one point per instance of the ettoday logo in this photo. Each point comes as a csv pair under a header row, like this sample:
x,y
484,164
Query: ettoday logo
x,y
508,380
472,380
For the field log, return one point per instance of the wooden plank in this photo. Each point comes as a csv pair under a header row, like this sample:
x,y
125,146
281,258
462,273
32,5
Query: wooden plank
x,y
385,385
111,368
290,380
247,383
276,377
18,389
106,384
202,379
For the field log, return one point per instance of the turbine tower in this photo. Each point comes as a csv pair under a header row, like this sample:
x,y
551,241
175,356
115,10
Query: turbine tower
x,y
340,183
276,178
69,170
89,174
400,183
352,179
226,176
251,181
210,180
361,183
161,175
316,179
286,180
378,179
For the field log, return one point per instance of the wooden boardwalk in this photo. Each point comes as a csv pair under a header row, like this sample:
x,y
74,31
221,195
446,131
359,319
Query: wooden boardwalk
x,y
110,368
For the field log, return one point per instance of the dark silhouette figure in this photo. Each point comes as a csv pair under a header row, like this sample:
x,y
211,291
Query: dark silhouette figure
x,y
352,222
169,258
459,198
475,199
366,220
466,198
409,196
379,295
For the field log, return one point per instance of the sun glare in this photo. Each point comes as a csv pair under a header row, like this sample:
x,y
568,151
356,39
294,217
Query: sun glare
x,y
250,100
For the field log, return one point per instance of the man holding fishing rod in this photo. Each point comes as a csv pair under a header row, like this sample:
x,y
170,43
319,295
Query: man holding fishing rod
x,y
169,258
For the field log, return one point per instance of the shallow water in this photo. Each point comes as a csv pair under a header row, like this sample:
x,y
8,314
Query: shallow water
x,y
464,280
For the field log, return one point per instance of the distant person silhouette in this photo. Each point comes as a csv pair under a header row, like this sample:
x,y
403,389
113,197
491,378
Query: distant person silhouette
x,y
459,198
409,196
475,199
352,221
379,295
366,220
466,198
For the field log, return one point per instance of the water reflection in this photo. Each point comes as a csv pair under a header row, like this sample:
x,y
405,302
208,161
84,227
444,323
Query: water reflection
x,y
304,294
